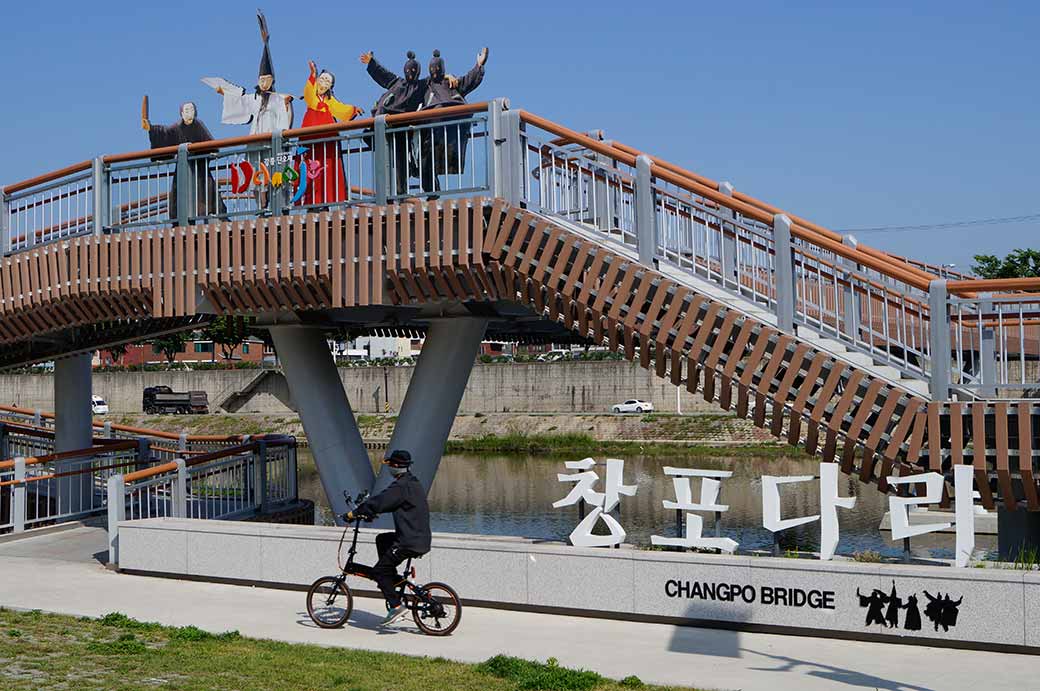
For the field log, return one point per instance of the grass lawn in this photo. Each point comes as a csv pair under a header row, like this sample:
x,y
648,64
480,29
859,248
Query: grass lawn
x,y
47,651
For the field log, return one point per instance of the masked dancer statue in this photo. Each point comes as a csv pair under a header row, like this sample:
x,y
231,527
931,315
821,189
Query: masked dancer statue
x,y
325,184
263,109
403,95
443,149
203,200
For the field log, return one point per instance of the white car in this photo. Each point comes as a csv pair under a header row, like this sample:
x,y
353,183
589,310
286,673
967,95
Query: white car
x,y
633,405
98,405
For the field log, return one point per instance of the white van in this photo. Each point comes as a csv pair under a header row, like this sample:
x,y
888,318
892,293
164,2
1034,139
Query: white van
x,y
98,405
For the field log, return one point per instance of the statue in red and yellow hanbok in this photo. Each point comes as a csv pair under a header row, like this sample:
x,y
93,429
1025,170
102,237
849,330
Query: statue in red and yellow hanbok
x,y
325,183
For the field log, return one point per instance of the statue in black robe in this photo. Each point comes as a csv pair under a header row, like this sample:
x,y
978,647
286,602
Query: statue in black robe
x,y
204,198
443,149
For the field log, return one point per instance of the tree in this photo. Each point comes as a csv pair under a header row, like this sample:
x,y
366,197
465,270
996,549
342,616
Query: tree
x,y
118,352
228,332
170,344
1021,263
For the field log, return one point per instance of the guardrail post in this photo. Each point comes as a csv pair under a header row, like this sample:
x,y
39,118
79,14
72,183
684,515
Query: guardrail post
x,y
938,340
380,161
851,300
18,502
260,477
290,451
785,295
729,242
274,199
5,224
506,152
180,490
646,216
37,418
182,442
102,202
185,190
987,351
116,514
144,453
4,451
107,429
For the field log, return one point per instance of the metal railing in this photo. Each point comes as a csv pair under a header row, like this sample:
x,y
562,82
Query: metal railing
x,y
235,482
39,490
806,275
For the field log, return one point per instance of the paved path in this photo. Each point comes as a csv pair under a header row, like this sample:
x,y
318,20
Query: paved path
x,y
76,583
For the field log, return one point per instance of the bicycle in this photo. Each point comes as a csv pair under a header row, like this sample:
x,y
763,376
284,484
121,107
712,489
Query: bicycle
x,y
436,607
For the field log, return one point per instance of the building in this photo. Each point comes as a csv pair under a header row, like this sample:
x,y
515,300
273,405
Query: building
x,y
197,350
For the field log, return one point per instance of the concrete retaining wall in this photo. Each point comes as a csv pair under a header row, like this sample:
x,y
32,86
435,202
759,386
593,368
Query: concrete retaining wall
x,y
519,387
998,608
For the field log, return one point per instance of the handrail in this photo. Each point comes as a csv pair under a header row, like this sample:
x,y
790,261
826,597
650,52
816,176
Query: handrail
x,y
48,177
977,285
827,239
205,458
773,210
210,145
136,430
78,453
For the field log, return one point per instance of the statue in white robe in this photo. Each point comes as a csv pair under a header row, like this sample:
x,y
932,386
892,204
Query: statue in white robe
x,y
263,109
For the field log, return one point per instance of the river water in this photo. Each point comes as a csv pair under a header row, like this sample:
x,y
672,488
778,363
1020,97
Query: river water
x,y
513,495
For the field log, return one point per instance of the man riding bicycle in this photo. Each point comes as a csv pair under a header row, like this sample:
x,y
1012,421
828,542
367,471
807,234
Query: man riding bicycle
x,y
406,498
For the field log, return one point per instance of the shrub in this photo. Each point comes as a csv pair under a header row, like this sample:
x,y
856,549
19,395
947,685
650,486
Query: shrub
x,y
126,644
536,676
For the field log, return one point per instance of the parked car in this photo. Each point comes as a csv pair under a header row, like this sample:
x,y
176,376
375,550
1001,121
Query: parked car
x,y
98,405
554,355
634,405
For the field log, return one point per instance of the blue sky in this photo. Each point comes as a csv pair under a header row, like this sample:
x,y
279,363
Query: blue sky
x,y
891,113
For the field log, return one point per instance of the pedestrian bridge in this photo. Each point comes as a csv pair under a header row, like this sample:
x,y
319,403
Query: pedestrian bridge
x,y
540,233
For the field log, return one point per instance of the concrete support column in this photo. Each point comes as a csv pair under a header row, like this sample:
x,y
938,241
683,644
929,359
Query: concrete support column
x,y
646,211
434,394
332,431
73,428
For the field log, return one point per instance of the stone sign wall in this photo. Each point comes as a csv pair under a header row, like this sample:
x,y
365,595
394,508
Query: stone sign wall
x,y
935,605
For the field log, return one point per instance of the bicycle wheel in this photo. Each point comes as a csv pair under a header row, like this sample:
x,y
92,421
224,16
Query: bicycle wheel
x,y
329,602
436,609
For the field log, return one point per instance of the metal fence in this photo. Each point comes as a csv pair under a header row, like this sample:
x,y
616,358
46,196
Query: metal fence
x,y
232,483
996,344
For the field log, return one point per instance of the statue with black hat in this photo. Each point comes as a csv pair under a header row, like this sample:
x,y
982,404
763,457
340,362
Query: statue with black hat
x,y
263,109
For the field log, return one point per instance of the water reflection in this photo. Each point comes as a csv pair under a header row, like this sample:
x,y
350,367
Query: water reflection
x,y
513,495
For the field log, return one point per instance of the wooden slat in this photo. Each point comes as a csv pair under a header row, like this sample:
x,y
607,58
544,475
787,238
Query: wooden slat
x,y
1000,409
1024,410
835,423
978,432
364,255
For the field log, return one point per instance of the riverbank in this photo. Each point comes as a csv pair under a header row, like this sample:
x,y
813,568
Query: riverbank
x,y
504,433
114,652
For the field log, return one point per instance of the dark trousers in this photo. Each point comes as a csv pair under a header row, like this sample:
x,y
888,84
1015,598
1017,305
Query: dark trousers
x,y
385,571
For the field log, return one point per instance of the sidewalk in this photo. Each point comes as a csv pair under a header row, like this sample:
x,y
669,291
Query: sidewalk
x,y
46,573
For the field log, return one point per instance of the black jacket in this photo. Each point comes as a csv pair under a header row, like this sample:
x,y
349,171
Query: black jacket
x,y
406,498
440,95
402,96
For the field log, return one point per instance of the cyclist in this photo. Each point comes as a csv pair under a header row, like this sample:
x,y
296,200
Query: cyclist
x,y
406,498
